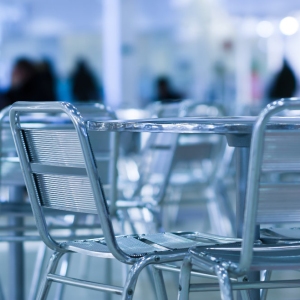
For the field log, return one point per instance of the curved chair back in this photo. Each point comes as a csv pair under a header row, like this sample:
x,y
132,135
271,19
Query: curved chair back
x,y
203,150
163,151
157,156
59,167
274,152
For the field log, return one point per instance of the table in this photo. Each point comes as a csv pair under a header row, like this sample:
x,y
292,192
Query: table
x,y
236,129
238,134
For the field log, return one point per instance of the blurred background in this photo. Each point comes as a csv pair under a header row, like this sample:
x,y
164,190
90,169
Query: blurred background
x,y
131,53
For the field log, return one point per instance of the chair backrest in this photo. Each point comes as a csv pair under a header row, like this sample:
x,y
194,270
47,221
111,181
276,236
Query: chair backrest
x,y
10,171
273,153
157,157
106,152
59,167
202,151
162,150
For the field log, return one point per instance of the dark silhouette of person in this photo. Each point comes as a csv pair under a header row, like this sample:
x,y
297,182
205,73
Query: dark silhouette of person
x,y
164,92
284,84
47,81
22,83
84,83
26,84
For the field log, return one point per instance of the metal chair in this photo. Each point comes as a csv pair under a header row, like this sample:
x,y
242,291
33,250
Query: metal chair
x,y
11,177
61,173
199,163
166,164
272,151
153,165
19,230
106,159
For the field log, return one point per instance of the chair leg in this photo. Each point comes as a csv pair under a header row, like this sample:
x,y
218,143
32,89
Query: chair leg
x,y
130,283
243,294
45,284
40,260
160,288
224,282
264,292
133,275
1,292
108,276
63,272
136,269
184,279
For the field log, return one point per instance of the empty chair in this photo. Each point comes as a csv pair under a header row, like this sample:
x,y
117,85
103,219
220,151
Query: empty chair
x,y
20,227
106,159
11,178
153,167
274,151
199,162
171,165
61,173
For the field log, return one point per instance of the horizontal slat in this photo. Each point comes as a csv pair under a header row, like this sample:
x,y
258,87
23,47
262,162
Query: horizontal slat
x,y
57,170
60,147
279,203
281,151
72,193
171,241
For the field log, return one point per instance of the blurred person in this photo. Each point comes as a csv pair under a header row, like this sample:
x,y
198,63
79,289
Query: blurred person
x,y
84,85
22,85
27,84
284,84
47,81
164,91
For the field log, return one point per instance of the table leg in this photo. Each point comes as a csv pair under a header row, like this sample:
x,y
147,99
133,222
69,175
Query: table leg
x,y
16,253
242,162
113,173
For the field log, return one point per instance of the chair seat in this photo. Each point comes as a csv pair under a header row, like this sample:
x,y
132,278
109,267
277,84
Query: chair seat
x,y
141,245
280,235
272,257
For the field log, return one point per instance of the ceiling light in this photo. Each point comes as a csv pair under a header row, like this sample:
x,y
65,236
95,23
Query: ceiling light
x,y
289,26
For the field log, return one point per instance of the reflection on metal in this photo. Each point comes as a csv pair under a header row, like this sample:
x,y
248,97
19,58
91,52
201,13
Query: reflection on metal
x,y
240,260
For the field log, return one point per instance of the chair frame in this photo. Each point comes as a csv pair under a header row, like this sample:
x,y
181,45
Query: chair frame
x,y
210,260
138,262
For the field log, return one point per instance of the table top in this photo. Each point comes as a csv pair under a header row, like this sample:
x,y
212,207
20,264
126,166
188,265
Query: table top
x,y
219,125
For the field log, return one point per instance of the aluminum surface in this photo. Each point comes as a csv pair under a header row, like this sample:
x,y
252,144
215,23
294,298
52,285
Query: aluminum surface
x,y
54,180
220,125
271,199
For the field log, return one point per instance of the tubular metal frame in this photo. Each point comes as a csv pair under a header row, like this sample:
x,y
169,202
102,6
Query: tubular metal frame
x,y
235,260
165,247
89,111
16,213
211,189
